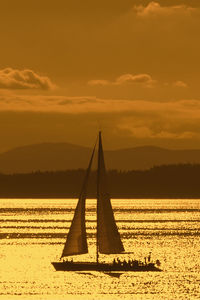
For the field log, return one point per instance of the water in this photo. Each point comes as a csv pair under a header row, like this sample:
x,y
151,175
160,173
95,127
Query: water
x,y
33,232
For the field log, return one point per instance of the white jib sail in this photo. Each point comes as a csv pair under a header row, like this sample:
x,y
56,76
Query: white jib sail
x,y
108,238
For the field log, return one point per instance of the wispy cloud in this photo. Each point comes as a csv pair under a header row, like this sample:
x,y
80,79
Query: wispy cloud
x,y
145,132
145,79
141,79
100,82
146,121
77,105
180,84
23,79
155,9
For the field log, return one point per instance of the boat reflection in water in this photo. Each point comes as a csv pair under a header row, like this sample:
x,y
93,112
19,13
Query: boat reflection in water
x,y
108,239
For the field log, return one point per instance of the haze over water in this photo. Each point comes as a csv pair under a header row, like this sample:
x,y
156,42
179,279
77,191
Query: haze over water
x,y
33,233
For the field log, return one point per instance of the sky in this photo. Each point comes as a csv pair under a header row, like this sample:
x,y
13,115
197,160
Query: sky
x,y
128,67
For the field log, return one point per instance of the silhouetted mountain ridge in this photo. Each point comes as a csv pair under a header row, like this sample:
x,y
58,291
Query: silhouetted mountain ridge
x,y
65,156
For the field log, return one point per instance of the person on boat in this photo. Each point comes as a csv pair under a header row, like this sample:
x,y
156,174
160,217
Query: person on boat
x,y
149,257
114,262
135,263
125,263
158,263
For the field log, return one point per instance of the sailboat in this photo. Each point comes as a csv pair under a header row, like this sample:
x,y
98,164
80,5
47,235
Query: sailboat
x,y
108,239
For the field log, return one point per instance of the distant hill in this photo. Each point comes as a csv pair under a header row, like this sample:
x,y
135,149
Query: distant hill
x,y
64,156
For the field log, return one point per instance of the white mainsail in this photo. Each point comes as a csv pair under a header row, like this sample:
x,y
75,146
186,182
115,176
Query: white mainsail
x,y
108,238
76,242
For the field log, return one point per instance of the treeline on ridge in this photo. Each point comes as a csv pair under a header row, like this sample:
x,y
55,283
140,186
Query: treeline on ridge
x,y
167,181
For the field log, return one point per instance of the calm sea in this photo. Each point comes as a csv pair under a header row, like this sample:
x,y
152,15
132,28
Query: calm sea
x,y
33,233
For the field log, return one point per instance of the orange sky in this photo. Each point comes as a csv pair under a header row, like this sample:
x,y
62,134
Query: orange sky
x,y
69,67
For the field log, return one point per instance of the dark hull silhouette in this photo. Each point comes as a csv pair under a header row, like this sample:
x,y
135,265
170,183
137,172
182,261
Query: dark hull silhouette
x,y
87,266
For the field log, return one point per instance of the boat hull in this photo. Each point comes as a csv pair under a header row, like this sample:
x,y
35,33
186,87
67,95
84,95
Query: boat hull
x,y
103,267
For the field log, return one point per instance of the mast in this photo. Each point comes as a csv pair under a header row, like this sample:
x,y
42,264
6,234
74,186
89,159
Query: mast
x,y
97,240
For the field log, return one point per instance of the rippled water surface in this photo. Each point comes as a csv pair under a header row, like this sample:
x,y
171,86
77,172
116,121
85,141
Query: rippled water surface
x,y
33,233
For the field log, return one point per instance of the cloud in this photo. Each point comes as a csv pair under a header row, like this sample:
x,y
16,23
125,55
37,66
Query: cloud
x,y
189,109
155,9
144,132
23,79
141,79
129,122
99,82
180,84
